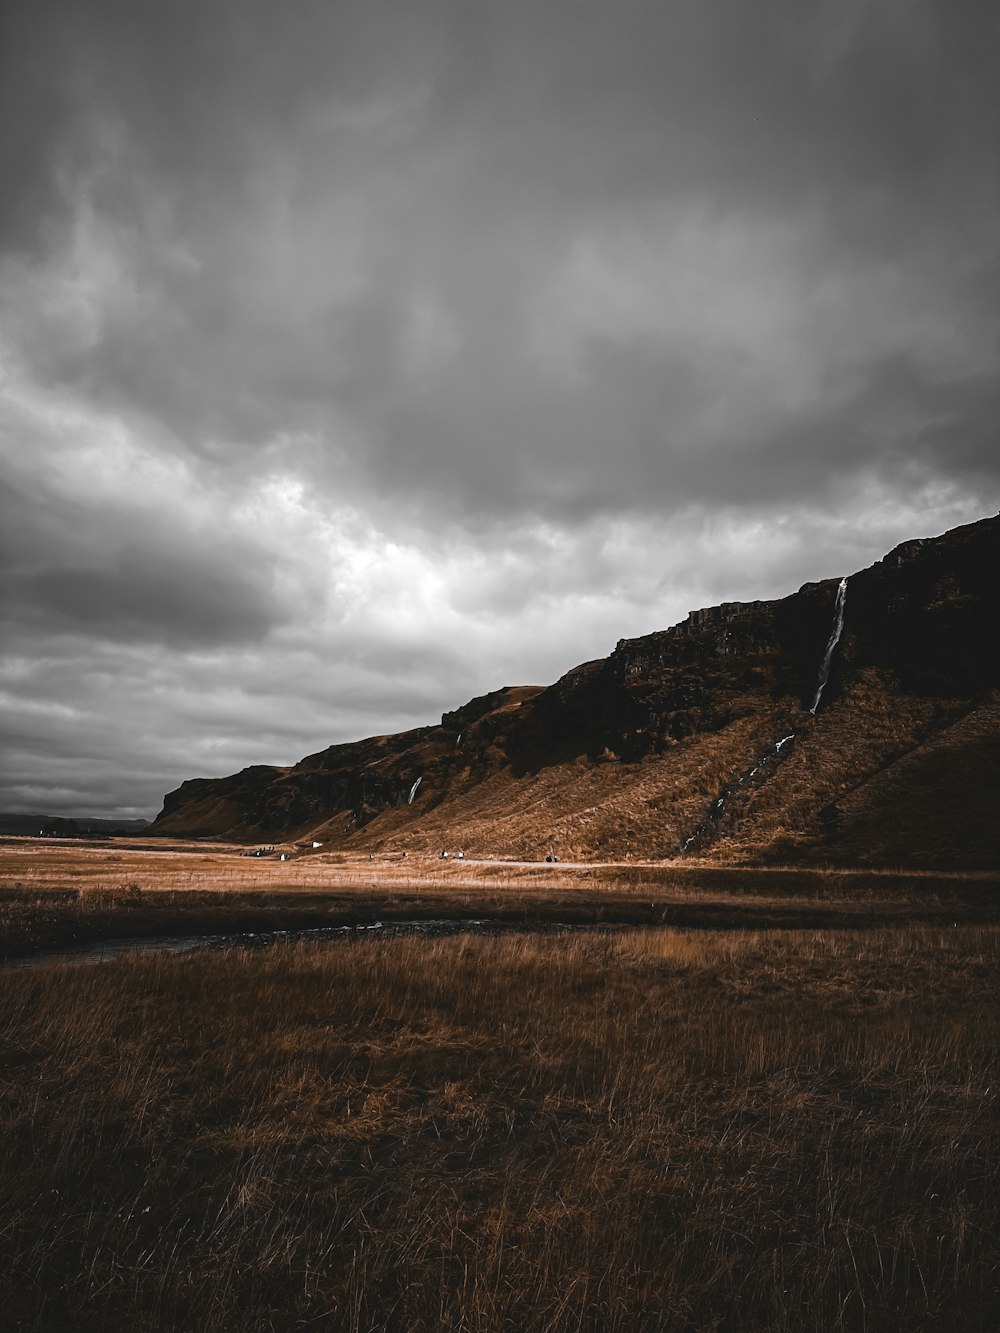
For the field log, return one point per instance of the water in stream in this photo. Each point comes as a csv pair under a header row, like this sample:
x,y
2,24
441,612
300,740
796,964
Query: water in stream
x,y
104,951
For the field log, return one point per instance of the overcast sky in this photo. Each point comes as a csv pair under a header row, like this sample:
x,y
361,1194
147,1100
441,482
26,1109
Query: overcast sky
x,y
360,357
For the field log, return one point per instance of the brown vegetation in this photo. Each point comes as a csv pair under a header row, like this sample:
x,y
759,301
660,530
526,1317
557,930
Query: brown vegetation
x,y
58,892
616,1131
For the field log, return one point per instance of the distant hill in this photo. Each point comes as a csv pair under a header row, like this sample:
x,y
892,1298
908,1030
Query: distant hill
x,y
31,825
703,740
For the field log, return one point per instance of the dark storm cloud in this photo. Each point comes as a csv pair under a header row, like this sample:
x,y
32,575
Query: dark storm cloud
x,y
110,573
359,356
149,594
344,219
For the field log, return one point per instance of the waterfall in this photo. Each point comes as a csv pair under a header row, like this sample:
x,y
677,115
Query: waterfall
x,y
766,764
413,790
835,633
769,754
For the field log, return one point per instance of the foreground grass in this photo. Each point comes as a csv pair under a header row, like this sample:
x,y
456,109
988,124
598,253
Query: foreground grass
x,y
633,1130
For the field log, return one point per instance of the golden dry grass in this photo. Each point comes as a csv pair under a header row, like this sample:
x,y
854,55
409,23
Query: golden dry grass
x,y
627,1131
60,891
90,866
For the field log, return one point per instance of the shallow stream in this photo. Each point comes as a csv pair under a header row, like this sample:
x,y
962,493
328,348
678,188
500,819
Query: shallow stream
x,y
104,951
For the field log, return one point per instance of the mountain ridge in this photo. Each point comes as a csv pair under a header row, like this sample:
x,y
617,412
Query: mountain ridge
x,y
667,747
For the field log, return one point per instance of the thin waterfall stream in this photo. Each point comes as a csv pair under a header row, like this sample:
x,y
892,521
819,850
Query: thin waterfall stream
x,y
765,764
773,754
835,633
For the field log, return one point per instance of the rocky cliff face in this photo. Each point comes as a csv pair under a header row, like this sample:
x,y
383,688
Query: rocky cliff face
x,y
670,742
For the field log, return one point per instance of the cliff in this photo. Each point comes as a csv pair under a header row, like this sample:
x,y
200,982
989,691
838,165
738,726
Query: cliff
x,y
695,740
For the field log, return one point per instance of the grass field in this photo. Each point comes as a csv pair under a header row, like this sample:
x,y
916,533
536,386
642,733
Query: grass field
x,y
635,1129
660,1128
58,891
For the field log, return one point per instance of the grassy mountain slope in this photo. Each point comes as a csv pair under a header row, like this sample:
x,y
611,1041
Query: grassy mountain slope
x,y
671,742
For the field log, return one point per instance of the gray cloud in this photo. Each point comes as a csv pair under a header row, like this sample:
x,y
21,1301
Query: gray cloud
x,y
359,357
143,593
107,571
340,219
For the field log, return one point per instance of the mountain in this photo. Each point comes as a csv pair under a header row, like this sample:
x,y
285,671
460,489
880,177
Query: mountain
x,y
59,826
705,740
